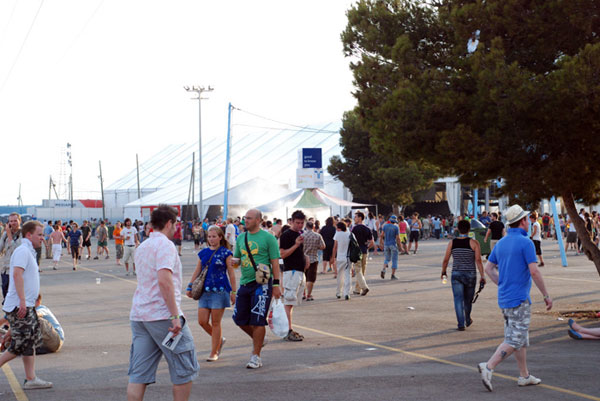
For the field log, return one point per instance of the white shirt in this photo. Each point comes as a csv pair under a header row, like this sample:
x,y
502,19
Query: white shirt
x,y
128,232
154,254
343,240
25,258
230,234
538,234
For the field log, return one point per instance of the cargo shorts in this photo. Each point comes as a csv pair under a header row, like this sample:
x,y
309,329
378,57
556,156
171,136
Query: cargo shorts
x,y
26,334
516,325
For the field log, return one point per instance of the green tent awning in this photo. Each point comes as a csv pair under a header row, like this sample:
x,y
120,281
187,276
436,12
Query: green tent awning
x,y
309,201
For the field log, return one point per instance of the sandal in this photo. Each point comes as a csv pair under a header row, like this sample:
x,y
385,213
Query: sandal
x,y
293,336
310,298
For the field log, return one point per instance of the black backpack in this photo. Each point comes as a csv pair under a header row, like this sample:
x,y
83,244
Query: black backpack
x,y
354,252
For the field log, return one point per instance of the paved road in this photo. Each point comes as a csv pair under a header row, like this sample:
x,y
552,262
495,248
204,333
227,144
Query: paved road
x,y
370,347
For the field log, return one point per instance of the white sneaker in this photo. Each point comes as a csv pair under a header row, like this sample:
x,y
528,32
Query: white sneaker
x,y
35,384
254,362
528,381
486,375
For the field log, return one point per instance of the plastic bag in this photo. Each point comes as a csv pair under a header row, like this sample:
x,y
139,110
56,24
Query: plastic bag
x,y
278,322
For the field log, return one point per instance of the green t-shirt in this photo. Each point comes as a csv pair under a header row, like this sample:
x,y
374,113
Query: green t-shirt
x,y
263,246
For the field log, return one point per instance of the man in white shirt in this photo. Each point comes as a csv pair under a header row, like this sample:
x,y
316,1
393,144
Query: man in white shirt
x,y
130,242
536,237
156,311
19,304
230,233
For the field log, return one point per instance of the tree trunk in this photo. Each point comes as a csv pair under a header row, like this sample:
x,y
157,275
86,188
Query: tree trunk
x,y
590,249
395,209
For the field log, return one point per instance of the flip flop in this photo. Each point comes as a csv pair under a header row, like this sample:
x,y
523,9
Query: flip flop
x,y
571,321
223,339
574,335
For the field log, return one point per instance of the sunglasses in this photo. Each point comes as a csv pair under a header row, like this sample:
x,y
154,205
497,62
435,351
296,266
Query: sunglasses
x,y
481,285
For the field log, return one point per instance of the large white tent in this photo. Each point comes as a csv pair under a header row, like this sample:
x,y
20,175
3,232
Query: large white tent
x,y
270,155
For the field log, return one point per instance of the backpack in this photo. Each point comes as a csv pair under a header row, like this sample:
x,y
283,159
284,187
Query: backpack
x,y
354,252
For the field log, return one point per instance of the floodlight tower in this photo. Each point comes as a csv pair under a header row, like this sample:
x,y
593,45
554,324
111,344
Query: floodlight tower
x,y
199,90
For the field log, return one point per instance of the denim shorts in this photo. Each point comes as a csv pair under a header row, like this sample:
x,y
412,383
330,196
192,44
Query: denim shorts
x,y
214,300
147,350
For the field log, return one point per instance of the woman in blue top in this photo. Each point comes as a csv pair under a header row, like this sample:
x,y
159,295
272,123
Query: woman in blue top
x,y
218,293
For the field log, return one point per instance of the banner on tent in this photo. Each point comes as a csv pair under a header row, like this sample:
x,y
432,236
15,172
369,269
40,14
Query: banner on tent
x,y
310,178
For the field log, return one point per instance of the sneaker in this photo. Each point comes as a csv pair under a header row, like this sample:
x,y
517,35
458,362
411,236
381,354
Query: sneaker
x,y
95,257
107,257
356,292
469,322
347,297
127,274
254,362
87,257
530,380
338,296
486,375
54,268
393,277
364,292
134,273
383,274
36,383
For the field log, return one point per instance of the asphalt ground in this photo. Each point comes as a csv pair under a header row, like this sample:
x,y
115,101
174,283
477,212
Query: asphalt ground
x,y
373,347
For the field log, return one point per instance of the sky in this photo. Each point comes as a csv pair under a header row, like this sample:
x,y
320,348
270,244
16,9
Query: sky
x,y
107,77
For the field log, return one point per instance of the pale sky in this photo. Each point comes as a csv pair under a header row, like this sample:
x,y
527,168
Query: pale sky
x,y
107,76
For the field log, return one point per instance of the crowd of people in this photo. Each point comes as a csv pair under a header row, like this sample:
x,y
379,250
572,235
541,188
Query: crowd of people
x,y
276,261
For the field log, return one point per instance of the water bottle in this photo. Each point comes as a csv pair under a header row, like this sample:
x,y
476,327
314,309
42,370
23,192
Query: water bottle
x,y
444,279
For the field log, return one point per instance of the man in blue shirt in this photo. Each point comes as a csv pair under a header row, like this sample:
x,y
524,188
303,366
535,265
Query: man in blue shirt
x,y
390,236
512,265
47,243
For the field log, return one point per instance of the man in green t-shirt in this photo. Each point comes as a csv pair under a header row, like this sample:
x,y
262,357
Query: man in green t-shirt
x,y
252,299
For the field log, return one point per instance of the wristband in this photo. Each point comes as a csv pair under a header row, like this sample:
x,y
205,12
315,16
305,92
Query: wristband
x,y
174,317
275,282
546,297
233,292
275,285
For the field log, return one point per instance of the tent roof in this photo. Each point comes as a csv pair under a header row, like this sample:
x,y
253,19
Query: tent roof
x,y
280,203
308,200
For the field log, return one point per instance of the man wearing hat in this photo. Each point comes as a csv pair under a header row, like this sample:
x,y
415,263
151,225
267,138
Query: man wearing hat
x,y
512,265
390,236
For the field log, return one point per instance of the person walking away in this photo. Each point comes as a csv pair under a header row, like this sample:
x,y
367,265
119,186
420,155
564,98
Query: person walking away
x,y
466,260
102,236
253,299
313,243
118,243
371,223
495,230
295,263
218,291
437,227
364,237
9,241
19,304
415,229
57,238
86,232
536,237
512,266
47,243
196,234
342,260
131,242
426,232
328,232
156,311
230,233
390,236
402,237
75,243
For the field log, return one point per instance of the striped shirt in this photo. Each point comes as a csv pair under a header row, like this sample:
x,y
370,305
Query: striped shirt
x,y
463,257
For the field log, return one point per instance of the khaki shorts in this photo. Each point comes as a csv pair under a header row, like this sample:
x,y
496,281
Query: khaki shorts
x,y
516,325
294,282
129,253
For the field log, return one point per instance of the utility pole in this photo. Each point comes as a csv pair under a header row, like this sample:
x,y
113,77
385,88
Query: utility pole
x,y
102,191
137,163
227,165
199,90
70,160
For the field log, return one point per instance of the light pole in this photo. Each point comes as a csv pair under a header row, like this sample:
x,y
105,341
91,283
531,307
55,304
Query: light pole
x,y
199,90
70,160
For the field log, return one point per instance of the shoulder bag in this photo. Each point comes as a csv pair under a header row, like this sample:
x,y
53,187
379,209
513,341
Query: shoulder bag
x,y
198,284
263,272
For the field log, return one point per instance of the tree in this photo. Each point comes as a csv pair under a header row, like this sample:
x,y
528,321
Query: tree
x,y
525,106
374,176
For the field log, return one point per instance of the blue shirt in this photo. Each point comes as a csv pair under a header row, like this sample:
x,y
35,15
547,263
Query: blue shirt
x,y
437,224
513,254
390,232
47,231
216,278
47,314
74,237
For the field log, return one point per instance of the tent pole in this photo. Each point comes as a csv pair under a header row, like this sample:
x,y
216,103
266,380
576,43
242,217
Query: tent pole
x,y
376,211
227,164
559,235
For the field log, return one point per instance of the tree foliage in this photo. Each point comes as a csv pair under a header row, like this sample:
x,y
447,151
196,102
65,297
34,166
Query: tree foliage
x,y
525,106
375,176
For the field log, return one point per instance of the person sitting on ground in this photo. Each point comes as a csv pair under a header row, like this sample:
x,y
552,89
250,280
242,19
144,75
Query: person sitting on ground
x,y
578,332
53,335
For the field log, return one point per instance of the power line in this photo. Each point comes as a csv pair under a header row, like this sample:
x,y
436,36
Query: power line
x,y
22,47
91,17
269,119
305,129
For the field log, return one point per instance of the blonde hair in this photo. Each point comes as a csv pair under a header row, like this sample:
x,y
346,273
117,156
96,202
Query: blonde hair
x,y
222,242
